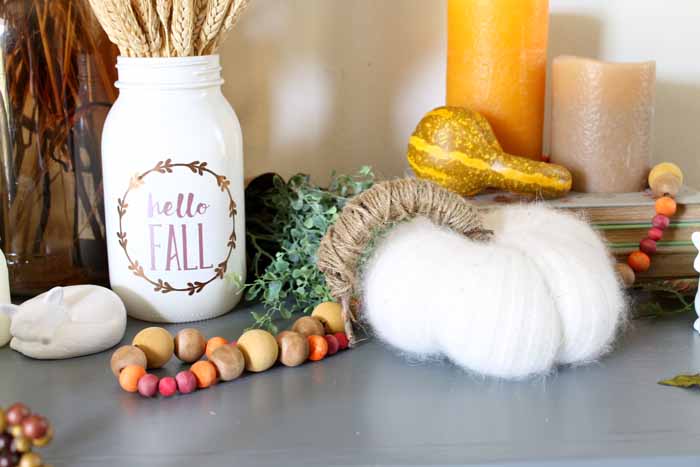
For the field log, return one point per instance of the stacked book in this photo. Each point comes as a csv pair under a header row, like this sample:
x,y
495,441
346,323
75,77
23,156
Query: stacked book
x,y
623,219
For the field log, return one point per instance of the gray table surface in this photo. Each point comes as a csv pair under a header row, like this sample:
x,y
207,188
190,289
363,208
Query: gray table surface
x,y
370,406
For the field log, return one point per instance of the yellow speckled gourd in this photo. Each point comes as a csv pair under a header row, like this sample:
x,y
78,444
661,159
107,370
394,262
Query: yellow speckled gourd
x,y
456,148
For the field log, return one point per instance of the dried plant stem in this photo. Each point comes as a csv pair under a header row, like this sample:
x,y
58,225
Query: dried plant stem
x,y
138,44
164,9
182,26
148,20
214,19
165,28
234,15
200,8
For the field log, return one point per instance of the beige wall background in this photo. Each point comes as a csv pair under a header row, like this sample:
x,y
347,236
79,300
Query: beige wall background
x,y
334,84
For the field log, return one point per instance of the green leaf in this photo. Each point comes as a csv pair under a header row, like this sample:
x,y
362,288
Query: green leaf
x,y
273,290
297,204
281,266
683,381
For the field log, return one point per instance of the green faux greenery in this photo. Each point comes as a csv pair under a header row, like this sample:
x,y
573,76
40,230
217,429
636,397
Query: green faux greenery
x,y
651,309
284,237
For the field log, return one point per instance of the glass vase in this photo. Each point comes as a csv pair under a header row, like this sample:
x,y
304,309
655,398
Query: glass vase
x,y
56,87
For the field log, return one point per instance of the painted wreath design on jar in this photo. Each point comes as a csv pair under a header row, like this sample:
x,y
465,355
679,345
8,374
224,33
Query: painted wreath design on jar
x,y
163,168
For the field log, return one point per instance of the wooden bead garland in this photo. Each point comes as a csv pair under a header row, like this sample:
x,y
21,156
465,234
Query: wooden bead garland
x,y
225,361
665,181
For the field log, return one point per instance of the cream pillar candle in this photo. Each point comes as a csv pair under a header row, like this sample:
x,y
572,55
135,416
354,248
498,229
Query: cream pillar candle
x,y
4,280
602,116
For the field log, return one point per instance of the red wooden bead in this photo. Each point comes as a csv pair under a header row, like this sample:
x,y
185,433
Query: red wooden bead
x,y
167,386
655,234
186,382
333,345
148,385
660,221
648,246
342,340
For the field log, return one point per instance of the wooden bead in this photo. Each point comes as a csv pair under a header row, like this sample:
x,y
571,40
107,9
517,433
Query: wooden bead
x,y
148,385
626,274
190,345
309,326
294,348
665,178
186,382
229,362
3,422
660,221
666,185
158,345
125,356
259,349
167,387
205,372
648,246
213,344
129,377
30,459
333,345
318,348
331,315
666,206
655,234
639,261
342,340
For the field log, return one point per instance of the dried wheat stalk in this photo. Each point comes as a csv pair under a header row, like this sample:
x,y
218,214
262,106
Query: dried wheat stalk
x,y
123,17
214,19
165,28
164,10
181,27
231,20
150,24
200,9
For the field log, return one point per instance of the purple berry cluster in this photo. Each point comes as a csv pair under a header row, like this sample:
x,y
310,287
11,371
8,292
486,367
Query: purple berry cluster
x,y
20,431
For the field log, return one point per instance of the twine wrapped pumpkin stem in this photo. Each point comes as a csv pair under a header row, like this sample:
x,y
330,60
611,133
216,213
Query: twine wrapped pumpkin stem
x,y
376,209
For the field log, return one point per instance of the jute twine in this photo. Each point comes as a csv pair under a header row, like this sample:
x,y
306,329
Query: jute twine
x,y
374,211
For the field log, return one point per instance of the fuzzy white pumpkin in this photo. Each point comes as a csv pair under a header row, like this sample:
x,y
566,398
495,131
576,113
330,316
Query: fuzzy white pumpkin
x,y
543,292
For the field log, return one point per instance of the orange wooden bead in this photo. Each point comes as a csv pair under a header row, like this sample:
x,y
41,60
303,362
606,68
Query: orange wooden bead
x,y
318,347
666,206
639,261
129,377
205,372
213,343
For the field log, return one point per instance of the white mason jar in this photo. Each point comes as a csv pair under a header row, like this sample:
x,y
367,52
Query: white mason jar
x,y
173,182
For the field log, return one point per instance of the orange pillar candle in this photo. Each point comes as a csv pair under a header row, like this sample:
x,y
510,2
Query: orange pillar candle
x,y
496,65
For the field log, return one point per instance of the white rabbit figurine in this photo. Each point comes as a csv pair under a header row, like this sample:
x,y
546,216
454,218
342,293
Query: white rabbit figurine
x,y
696,265
67,322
